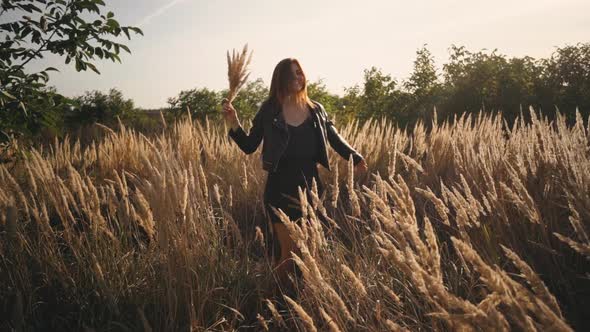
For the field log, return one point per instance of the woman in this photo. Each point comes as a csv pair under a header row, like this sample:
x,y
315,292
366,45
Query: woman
x,y
294,130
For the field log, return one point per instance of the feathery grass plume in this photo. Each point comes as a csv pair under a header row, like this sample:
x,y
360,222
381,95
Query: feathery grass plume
x,y
302,194
310,279
432,244
439,205
410,161
487,274
392,295
577,224
335,189
317,229
67,197
216,193
305,317
311,264
378,311
583,245
275,313
393,327
354,200
184,200
163,120
533,279
356,282
237,71
259,237
581,248
332,326
317,201
230,196
203,183
262,321
294,230
489,306
245,176
335,299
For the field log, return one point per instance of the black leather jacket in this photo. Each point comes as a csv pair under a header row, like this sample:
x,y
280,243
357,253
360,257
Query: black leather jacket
x,y
269,125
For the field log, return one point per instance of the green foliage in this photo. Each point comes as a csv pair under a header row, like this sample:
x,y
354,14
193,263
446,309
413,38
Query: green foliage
x,y
376,98
75,29
423,79
95,106
204,102
565,79
379,94
201,102
28,119
470,81
487,81
422,90
332,103
249,98
476,81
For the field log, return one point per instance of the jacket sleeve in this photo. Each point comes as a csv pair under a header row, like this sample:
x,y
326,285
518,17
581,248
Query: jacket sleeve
x,y
338,143
249,142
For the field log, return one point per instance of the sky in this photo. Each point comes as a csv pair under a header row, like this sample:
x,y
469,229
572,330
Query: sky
x,y
185,41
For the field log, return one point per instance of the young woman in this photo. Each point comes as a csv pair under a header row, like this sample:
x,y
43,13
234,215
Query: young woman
x,y
294,130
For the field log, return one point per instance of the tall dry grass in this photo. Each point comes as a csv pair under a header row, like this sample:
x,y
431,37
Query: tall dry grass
x,y
469,225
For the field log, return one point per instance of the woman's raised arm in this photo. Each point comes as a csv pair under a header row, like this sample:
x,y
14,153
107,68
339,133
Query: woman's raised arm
x,y
246,142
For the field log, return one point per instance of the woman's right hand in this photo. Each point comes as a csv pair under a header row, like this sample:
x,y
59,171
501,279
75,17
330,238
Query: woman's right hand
x,y
230,115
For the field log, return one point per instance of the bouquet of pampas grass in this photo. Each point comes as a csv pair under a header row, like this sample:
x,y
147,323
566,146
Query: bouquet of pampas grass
x,y
237,71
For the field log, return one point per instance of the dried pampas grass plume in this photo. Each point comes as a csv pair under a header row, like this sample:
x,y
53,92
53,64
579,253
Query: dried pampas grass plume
x,y
237,71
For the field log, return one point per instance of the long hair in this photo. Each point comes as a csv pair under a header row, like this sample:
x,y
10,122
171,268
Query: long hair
x,y
281,78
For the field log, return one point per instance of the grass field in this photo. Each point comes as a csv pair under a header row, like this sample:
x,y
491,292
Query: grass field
x,y
466,226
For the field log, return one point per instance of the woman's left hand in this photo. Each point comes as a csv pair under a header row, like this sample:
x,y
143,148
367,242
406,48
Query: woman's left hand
x,y
361,167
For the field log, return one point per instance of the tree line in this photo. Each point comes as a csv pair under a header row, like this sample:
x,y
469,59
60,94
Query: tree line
x,y
467,83
82,33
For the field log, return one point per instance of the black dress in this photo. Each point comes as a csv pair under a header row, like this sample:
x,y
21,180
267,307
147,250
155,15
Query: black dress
x,y
297,167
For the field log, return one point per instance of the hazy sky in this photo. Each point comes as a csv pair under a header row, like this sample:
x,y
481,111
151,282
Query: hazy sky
x,y
185,40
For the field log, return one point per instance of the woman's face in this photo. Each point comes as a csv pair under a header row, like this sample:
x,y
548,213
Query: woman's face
x,y
298,80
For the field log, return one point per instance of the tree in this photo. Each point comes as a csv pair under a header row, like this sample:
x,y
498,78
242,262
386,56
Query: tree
x,y
95,106
249,98
423,78
493,82
201,102
565,80
478,81
75,29
319,92
423,90
378,96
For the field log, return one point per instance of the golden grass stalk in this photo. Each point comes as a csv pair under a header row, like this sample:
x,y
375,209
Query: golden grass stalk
x,y
237,71
393,327
533,279
147,218
262,321
354,199
275,313
356,281
332,326
583,249
259,238
305,317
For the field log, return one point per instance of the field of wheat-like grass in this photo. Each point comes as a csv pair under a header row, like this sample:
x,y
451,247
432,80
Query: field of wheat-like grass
x,y
466,226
